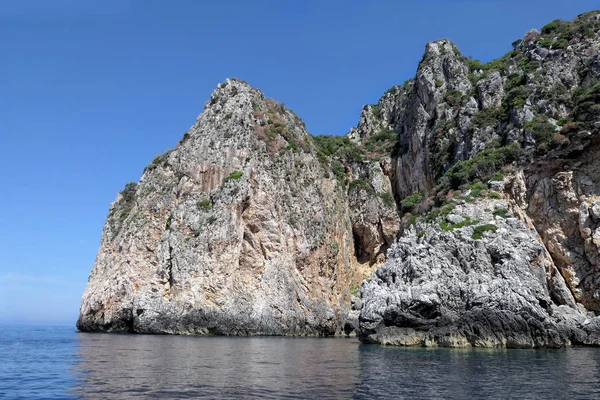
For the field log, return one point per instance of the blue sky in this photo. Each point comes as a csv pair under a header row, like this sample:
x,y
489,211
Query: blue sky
x,y
91,91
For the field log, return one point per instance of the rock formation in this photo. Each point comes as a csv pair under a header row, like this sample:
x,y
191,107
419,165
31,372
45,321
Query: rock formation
x,y
243,228
470,195
497,175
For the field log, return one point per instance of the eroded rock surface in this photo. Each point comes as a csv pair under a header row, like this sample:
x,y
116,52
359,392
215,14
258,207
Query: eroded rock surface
x,y
472,190
449,288
238,230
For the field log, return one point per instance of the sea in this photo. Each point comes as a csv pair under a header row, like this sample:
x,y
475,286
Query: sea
x,y
61,363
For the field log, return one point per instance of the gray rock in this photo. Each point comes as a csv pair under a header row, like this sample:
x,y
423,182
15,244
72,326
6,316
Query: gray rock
x,y
245,228
595,211
233,232
454,291
455,219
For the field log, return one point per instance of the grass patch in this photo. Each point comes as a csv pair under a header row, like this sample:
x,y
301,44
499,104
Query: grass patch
x,y
233,176
482,166
481,229
387,199
501,212
477,189
449,227
204,205
412,201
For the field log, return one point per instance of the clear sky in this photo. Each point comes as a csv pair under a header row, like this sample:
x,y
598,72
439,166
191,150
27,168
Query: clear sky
x,y
91,91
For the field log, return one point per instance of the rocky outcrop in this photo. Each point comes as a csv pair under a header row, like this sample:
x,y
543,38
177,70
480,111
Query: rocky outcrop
x,y
469,197
523,131
482,281
238,230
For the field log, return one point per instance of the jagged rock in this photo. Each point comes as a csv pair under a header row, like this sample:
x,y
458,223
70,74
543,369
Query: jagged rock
x,y
232,232
455,219
249,227
490,91
595,211
448,289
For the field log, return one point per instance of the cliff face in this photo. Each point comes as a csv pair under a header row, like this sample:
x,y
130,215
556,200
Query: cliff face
x,y
241,229
496,169
470,195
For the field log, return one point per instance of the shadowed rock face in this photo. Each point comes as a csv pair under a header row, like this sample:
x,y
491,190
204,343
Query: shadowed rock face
x,y
250,226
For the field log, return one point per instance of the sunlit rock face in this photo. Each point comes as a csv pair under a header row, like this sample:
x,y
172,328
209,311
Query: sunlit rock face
x,y
467,201
240,229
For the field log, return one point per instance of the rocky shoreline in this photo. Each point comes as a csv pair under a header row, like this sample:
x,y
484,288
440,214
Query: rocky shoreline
x,y
462,210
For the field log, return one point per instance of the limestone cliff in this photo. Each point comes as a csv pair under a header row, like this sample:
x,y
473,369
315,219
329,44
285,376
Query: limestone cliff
x,y
469,196
243,228
519,133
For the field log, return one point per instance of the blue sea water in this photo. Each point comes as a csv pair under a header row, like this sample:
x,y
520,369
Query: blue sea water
x,y
59,362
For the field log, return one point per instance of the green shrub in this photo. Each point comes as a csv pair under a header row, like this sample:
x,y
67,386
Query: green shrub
x,y
481,229
487,117
361,183
498,176
376,108
477,188
160,160
553,27
387,199
411,201
382,142
561,44
448,227
234,176
546,42
528,66
482,166
128,192
454,97
541,130
338,170
494,195
564,120
411,219
204,204
336,146
587,104
516,98
501,212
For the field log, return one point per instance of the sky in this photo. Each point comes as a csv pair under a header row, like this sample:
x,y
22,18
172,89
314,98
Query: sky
x,y
91,91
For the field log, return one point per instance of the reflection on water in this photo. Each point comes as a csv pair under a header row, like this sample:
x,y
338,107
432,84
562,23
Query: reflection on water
x,y
113,366
61,363
407,373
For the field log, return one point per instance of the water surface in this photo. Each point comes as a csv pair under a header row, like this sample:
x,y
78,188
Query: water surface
x,y
44,362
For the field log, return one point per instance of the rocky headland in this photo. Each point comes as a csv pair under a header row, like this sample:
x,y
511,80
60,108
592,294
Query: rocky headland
x,y
463,210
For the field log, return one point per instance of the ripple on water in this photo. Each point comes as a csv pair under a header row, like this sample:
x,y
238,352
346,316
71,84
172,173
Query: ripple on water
x,y
61,363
